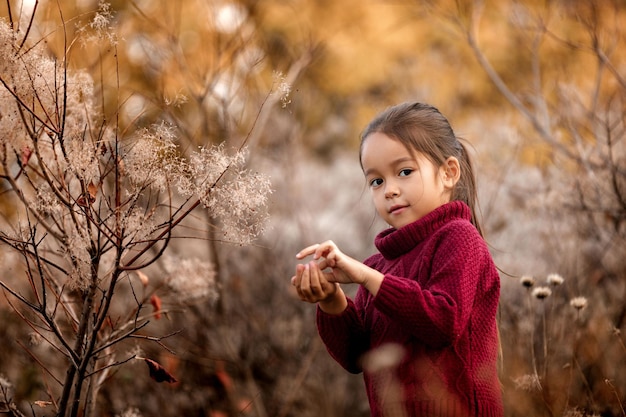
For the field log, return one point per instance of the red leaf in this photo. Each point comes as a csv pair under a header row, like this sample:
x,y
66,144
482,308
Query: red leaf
x,y
156,305
92,189
89,197
159,373
84,202
223,376
25,156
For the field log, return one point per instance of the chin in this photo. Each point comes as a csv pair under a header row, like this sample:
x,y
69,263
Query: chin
x,y
397,225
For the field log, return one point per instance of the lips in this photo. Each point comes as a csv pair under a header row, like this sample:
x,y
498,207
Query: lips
x,y
397,209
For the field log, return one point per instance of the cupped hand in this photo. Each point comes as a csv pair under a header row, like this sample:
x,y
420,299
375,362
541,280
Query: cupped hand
x,y
312,283
344,269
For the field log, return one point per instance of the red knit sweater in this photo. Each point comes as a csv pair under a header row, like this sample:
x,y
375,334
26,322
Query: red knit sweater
x,y
427,342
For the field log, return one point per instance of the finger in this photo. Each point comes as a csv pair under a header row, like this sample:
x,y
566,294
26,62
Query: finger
x,y
299,280
329,261
325,279
323,264
305,281
293,284
295,281
309,250
316,278
325,249
313,290
300,294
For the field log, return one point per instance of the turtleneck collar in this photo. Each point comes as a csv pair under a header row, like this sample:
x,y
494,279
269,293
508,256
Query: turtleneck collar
x,y
392,243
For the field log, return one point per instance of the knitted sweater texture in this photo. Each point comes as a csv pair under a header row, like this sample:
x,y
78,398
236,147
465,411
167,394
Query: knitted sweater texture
x,y
427,343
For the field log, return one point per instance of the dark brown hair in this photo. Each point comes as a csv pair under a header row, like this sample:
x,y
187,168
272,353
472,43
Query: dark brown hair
x,y
422,128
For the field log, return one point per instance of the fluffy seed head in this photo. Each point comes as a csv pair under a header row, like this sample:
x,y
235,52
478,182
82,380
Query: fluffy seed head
x,y
527,281
542,292
555,280
579,303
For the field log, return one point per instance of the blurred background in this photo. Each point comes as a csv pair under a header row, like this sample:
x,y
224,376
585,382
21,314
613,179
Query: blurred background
x,y
536,87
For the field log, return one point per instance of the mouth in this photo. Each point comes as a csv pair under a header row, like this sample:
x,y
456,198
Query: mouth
x,y
397,209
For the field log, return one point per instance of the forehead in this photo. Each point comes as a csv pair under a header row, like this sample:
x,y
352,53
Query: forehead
x,y
381,152
380,149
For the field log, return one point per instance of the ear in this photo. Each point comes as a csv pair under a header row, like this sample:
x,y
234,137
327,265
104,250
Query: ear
x,y
451,172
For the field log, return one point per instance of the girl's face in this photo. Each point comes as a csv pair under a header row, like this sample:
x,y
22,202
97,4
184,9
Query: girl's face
x,y
405,185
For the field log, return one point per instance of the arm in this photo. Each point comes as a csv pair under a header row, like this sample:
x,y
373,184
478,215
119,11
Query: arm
x,y
344,335
340,323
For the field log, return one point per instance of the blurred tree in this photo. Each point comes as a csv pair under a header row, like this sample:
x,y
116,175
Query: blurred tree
x,y
91,200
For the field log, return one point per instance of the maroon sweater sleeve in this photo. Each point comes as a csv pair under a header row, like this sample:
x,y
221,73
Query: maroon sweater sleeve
x,y
436,305
344,335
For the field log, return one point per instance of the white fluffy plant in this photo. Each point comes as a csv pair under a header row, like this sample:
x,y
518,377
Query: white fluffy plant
x,y
88,209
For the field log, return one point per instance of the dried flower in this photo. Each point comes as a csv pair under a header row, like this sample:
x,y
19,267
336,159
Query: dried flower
x,y
5,385
46,201
130,412
34,339
555,280
191,279
579,303
283,88
101,22
528,382
103,16
238,198
153,159
77,250
527,281
136,351
542,292
137,224
208,168
178,100
574,412
82,156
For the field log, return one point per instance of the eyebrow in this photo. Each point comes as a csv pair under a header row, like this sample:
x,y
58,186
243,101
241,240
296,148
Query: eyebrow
x,y
393,163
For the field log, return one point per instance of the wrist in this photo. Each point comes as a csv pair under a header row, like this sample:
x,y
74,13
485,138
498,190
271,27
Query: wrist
x,y
335,304
372,281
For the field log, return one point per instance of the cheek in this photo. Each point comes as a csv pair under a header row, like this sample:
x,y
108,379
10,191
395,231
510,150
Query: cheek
x,y
378,198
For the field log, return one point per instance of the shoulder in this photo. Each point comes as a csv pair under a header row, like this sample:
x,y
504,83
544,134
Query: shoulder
x,y
459,230
460,238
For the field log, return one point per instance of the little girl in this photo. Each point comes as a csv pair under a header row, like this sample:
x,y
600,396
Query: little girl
x,y
422,327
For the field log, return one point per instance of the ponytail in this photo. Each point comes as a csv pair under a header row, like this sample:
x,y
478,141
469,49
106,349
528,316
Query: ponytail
x,y
465,189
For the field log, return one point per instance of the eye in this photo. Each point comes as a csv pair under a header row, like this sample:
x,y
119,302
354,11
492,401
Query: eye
x,y
376,182
405,172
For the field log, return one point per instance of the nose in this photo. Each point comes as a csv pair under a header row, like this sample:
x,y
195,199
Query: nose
x,y
391,189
